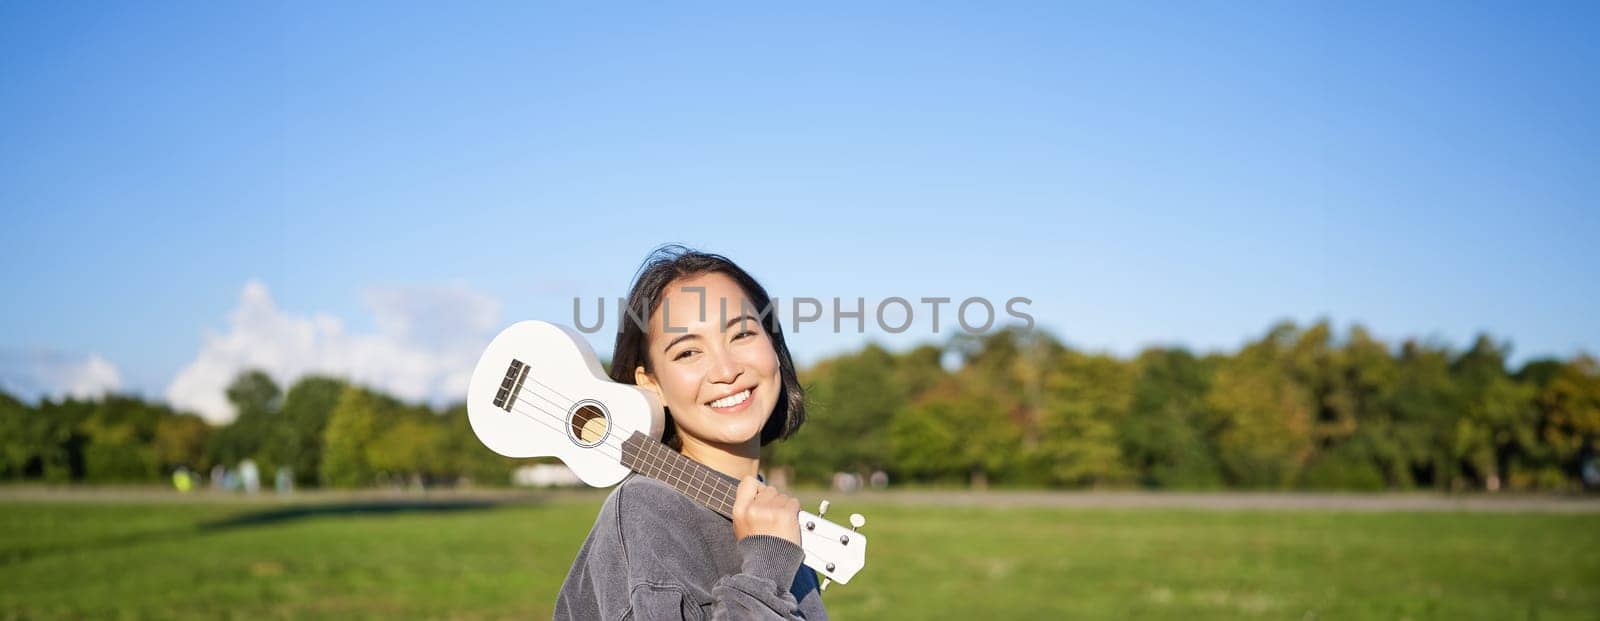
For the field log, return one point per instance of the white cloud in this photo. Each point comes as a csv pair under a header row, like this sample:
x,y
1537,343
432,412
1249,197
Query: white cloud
x,y
34,374
428,339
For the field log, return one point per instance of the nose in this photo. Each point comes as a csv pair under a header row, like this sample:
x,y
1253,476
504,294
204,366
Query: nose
x,y
724,370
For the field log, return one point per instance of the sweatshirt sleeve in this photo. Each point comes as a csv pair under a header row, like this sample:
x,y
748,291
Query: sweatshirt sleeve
x,y
758,592
761,588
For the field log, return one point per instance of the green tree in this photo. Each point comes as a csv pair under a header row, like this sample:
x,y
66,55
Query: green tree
x,y
464,456
1424,408
849,401
1265,417
353,424
1498,429
256,399
409,447
1350,384
295,439
952,435
56,431
1167,435
121,440
1086,398
180,440
1569,407
18,446
919,371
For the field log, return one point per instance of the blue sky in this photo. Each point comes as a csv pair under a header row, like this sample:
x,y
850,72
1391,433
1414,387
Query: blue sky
x,y
1176,173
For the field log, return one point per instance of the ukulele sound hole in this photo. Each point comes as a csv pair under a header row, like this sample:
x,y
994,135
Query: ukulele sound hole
x,y
589,424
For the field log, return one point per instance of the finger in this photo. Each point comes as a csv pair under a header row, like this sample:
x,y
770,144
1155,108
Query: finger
x,y
749,487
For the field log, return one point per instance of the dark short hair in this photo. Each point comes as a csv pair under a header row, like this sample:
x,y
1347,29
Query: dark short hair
x,y
672,262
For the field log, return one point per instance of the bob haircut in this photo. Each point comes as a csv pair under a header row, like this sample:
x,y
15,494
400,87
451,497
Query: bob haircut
x,y
672,262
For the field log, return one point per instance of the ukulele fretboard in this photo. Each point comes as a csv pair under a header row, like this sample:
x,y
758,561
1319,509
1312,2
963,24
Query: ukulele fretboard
x,y
653,459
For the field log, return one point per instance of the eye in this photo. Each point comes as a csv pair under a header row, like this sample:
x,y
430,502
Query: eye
x,y
743,334
684,354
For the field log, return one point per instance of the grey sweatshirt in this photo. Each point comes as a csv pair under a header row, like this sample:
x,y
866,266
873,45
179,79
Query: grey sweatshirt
x,y
656,554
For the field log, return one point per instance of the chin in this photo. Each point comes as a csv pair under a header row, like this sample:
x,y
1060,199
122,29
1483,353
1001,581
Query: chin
x,y
740,429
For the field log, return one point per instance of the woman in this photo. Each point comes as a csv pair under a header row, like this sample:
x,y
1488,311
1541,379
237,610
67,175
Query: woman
x,y
715,357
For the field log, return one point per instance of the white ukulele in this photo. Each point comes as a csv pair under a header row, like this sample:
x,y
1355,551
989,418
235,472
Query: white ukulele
x,y
539,391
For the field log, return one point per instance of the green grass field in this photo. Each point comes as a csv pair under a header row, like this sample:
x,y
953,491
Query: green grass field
x,y
477,560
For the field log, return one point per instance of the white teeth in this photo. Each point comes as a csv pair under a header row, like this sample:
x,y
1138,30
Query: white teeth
x,y
731,400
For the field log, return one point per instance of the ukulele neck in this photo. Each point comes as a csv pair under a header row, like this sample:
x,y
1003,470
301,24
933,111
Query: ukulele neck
x,y
713,490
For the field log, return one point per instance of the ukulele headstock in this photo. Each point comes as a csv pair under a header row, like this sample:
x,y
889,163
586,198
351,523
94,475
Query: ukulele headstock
x,y
834,551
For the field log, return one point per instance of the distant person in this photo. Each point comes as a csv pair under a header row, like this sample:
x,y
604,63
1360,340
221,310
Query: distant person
x,y
182,480
283,482
249,476
653,553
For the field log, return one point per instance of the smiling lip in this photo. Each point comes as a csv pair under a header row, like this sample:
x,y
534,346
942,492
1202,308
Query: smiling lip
x,y
735,408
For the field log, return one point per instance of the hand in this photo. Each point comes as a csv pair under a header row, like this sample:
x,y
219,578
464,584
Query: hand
x,y
758,509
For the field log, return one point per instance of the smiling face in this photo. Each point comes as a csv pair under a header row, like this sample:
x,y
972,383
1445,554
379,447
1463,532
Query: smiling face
x,y
712,364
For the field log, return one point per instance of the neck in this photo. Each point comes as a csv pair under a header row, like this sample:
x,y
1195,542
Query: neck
x,y
735,460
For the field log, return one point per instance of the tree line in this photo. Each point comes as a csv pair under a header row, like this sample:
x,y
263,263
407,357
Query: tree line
x,y
1301,407
326,431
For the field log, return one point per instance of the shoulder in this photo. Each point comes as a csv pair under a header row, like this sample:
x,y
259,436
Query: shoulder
x,y
638,489
659,531
631,519
642,505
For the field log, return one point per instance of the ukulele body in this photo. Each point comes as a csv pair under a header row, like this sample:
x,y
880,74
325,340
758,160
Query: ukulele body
x,y
538,390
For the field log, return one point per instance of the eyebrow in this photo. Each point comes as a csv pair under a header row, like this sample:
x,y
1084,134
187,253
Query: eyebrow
x,y
740,318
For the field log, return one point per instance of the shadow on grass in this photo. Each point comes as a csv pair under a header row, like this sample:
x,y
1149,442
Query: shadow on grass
x,y
343,509
253,519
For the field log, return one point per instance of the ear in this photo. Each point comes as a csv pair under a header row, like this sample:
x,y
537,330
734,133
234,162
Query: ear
x,y
644,380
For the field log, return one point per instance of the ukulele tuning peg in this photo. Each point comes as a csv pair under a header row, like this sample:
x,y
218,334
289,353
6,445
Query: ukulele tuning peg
x,y
857,521
822,509
825,583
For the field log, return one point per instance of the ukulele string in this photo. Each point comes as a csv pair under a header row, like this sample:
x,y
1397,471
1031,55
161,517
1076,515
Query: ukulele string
x,y
564,407
560,415
567,406
556,421
623,432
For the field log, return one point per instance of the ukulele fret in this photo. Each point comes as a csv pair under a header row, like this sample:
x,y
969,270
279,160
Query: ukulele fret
x,y
712,489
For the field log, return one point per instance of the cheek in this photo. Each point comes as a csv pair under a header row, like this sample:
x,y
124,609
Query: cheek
x,y
765,364
681,388
768,363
